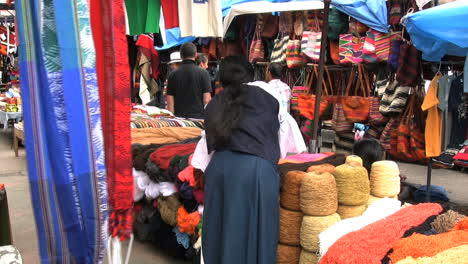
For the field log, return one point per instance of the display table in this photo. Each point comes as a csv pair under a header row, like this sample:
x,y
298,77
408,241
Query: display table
x,y
5,116
18,134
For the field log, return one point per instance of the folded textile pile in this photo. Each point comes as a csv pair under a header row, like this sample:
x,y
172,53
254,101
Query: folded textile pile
x,y
168,197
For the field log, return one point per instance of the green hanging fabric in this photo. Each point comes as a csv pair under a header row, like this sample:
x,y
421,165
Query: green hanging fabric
x,y
338,23
143,16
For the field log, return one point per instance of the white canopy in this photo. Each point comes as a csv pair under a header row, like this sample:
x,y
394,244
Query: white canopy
x,y
258,7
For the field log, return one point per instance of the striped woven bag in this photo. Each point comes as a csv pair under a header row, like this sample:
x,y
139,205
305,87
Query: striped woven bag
x,y
279,49
351,49
294,56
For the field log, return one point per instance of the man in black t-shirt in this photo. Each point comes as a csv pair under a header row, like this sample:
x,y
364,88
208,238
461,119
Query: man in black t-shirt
x,y
188,87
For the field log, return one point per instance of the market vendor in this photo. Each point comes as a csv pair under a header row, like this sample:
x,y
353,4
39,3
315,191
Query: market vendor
x,y
241,217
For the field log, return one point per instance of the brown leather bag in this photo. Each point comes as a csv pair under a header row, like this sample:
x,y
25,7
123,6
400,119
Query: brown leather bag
x,y
270,26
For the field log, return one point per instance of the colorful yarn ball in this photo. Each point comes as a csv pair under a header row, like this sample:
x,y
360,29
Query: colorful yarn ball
x,y
288,254
385,179
187,222
418,245
308,257
168,207
446,221
354,160
290,194
348,211
462,225
455,255
311,228
319,196
371,243
290,227
352,183
321,168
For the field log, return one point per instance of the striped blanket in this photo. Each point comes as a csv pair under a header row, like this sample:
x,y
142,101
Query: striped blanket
x,y
62,124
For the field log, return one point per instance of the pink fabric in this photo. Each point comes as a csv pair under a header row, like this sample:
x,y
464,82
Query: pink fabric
x,y
306,157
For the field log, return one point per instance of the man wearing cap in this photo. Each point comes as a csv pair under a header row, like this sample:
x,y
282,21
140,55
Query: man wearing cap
x,y
188,87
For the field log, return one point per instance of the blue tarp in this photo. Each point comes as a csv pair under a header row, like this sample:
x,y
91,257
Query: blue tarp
x,y
440,30
173,39
373,13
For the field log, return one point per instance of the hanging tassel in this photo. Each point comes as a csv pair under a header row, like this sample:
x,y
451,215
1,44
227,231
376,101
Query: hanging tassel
x,y
114,250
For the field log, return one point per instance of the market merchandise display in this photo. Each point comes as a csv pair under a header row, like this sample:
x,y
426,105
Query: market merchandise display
x,y
298,197
371,243
318,195
319,202
385,179
168,197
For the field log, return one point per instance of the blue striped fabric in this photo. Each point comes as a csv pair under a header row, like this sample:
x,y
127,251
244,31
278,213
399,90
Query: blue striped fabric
x,y
63,130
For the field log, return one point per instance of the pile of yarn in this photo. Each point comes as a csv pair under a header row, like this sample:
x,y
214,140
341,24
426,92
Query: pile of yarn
x,y
353,187
171,192
384,179
290,218
319,202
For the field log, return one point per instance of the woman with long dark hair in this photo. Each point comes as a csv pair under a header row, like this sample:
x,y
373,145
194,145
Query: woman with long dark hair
x,y
241,217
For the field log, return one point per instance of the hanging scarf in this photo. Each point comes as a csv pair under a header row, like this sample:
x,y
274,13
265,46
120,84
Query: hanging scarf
x,y
63,130
117,141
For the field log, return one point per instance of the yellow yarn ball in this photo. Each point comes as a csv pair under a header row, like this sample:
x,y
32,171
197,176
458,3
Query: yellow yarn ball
x,y
287,254
311,228
319,196
290,190
348,211
290,227
352,183
308,257
385,179
354,160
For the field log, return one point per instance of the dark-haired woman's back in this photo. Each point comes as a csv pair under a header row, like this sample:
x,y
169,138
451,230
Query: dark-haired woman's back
x,y
241,217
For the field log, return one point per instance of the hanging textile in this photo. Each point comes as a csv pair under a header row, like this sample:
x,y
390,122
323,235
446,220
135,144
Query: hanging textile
x,y
63,130
148,67
117,141
200,18
143,16
170,9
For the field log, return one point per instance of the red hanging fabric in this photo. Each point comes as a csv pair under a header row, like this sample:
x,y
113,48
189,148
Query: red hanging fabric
x,y
108,25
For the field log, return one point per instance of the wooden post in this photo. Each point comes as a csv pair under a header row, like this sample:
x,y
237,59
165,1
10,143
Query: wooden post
x,y
318,87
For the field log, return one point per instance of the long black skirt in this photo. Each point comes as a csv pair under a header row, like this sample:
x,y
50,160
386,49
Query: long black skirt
x,y
241,215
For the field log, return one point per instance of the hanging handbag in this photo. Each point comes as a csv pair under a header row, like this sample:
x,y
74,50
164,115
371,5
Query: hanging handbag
x,y
306,101
280,46
294,57
394,99
296,91
299,23
335,51
394,55
409,70
257,50
270,26
286,23
351,49
410,143
386,137
356,108
375,117
311,42
358,27
369,54
383,44
337,24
